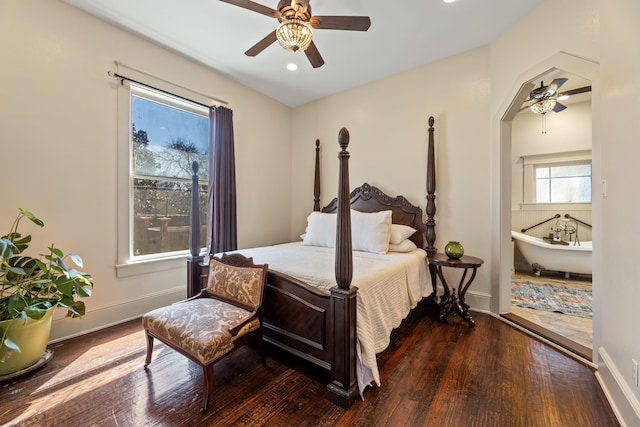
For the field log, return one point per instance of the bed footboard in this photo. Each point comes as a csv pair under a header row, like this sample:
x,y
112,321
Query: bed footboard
x,y
297,318
312,324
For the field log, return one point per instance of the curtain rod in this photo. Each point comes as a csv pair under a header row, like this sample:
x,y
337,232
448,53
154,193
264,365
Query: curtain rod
x,y
121,77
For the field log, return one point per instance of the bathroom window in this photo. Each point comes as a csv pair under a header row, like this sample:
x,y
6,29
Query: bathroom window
x,y
570,183
557,178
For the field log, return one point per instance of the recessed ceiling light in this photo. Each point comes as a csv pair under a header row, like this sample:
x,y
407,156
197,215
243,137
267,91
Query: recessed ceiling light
x,y
292,67
448,1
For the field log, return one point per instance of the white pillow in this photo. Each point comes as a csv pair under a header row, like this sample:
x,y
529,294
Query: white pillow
x,y
404,246
400,232
370,232
321,230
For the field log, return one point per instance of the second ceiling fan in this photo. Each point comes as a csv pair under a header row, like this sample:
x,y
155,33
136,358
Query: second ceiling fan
x,y
544,99
296,23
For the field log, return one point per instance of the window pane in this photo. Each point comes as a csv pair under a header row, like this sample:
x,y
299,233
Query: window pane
x,y
162,215
542,191
563,183
167,140
542,172
571,190
572,170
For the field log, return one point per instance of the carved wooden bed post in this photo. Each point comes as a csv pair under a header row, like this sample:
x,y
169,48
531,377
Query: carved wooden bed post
x,y
193,261
343,388
316,180
431,189
431,204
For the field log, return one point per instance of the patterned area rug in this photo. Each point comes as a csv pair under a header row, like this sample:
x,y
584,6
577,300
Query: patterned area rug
x,y
547,297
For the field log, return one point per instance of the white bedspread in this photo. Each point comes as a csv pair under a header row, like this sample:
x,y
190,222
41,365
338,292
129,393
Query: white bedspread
x,y
389,286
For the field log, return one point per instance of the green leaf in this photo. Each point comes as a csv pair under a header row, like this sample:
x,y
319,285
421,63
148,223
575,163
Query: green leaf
x,y
34,312
66,301
15,304
32,217
11,345
65,286
83,291
78,309
57,252
18,271
21,243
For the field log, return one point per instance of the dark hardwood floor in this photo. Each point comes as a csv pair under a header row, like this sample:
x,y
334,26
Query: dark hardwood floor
x,y
433,374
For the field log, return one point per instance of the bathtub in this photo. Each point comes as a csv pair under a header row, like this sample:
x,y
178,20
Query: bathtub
x,y
542,255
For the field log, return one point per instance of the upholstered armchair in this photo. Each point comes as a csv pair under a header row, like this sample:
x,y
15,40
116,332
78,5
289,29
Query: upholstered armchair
x,y
223,317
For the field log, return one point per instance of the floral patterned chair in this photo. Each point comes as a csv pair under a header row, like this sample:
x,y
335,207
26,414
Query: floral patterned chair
x,y
223,317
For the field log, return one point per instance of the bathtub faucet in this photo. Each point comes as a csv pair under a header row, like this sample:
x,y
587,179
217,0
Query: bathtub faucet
x,y
570,228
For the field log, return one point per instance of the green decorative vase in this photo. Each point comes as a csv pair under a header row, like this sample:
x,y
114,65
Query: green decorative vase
x,y
454,250
32,338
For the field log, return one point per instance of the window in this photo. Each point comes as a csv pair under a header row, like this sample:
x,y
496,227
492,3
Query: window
x,y
557,178
167,135
563,184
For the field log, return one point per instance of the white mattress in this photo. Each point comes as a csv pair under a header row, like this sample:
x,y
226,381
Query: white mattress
x,y
389,286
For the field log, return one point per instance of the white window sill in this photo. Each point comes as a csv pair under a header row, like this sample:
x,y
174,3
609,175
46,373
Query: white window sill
x,y
555,206
150,266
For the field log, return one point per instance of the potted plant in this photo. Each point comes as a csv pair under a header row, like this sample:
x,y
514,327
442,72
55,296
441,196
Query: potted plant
x,y
31,287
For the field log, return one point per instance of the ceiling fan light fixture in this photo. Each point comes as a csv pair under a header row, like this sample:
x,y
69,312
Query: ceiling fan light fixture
x,y
544,106
294,35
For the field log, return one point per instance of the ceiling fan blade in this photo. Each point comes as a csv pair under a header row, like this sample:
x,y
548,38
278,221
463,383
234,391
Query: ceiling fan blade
x,y
314,56
255,7
552,89
558,107
354,23
576,91
262,44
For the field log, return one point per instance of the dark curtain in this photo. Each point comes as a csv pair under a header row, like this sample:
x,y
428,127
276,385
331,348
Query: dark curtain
x,y
221,221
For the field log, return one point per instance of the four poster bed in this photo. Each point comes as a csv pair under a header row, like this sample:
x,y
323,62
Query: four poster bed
x,y
315,292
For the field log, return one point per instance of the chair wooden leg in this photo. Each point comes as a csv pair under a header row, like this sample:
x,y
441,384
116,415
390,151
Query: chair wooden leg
x,y
149,349
208,385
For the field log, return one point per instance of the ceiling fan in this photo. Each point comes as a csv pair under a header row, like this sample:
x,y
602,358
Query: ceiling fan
x,y
295,30
544,99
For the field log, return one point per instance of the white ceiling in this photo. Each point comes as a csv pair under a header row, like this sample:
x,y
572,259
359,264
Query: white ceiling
x,y
403,35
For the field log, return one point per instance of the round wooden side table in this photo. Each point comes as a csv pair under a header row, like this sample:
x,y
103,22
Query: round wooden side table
x,y
450,300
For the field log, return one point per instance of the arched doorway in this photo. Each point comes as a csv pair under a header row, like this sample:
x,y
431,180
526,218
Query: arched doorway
x,y
545,71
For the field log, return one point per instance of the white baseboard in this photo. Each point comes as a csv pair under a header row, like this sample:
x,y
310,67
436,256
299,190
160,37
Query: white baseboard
x,y
63,328
478,301
624,403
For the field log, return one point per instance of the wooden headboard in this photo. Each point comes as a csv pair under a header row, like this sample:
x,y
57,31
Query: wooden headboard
x,y
367,198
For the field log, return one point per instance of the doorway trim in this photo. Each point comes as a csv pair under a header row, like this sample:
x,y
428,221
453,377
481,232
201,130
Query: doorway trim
x,y
587,69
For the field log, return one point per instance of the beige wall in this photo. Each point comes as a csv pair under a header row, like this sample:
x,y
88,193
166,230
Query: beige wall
x,y
620,149
58,127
